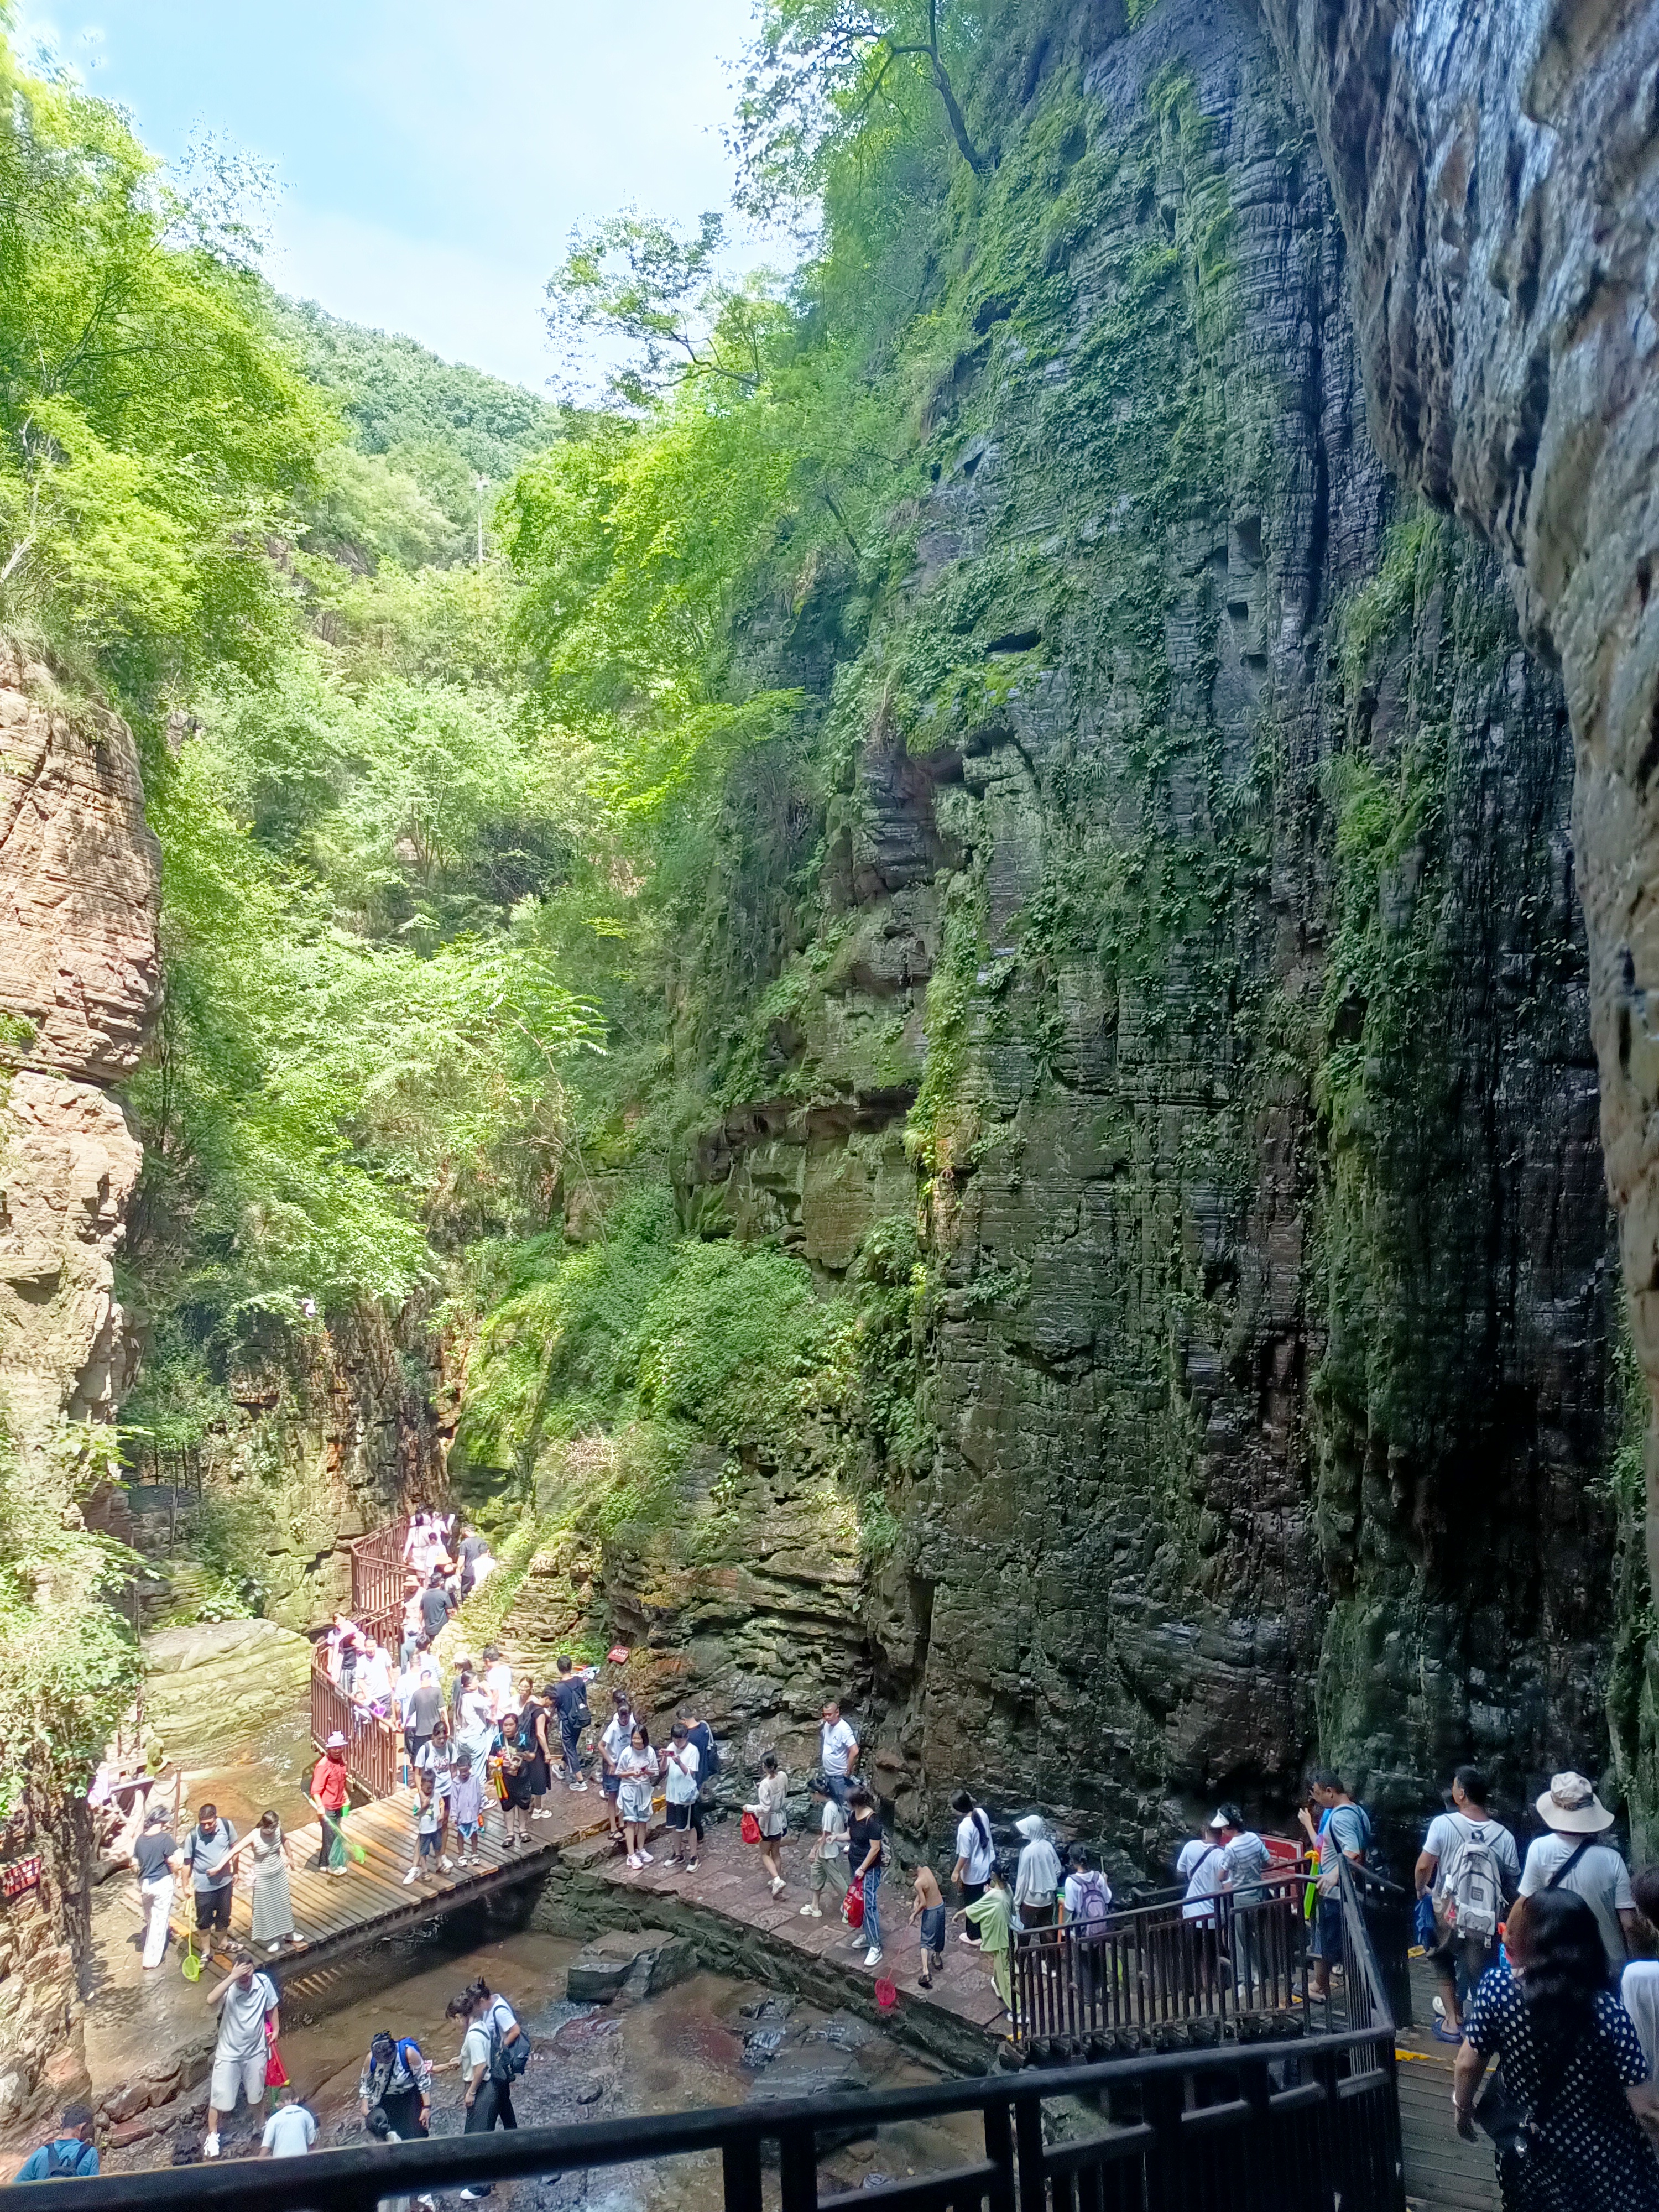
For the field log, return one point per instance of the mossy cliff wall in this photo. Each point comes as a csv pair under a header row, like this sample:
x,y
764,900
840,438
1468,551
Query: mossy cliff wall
x,y
1193,956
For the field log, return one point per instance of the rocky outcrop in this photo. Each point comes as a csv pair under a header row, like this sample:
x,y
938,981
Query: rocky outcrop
x,y
1197,956
79,986
1496,163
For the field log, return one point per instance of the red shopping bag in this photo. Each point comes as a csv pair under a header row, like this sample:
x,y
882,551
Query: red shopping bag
x,y
275,2072
751,1828
886,1995
852,1907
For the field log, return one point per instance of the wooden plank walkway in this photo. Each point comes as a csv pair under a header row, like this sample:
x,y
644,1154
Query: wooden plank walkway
x,y
339,1914
1443,2173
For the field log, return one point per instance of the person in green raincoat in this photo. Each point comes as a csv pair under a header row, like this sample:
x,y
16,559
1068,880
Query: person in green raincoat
x,y
992,1915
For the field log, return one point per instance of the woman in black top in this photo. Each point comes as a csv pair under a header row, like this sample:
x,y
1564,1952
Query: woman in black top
x,y
868,1857
532,1730
512,1759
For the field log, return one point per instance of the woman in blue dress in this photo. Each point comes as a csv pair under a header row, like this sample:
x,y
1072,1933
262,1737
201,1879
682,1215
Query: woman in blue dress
x,y
1573,2068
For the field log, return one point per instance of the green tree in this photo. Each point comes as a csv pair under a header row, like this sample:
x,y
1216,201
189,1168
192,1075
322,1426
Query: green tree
x,y
152,440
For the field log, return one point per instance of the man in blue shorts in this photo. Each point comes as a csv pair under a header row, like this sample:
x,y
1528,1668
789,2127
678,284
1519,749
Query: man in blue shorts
x,y
1344,1832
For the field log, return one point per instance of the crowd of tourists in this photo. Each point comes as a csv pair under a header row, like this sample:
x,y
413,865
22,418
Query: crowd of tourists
x,y
1534,1953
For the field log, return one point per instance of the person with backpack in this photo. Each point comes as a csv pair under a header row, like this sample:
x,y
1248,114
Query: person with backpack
x,y
495,2052
1468,1868
71,2155
1342,1831
397,2077
1085,1906
976,1857
569,1699
1579,2114
680,1764
701,1737
207,1853
1570,1858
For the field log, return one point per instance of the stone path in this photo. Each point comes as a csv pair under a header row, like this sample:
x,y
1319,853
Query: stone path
x,y
730,1882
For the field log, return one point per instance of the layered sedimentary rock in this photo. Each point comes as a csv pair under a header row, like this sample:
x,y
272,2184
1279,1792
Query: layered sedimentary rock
x,y
79,986
1196,953
1496,167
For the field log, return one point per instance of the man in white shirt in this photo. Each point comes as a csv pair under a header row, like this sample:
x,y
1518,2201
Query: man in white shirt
x,y
1204,1863
838,1752
1037,1876
1569,1857
244,2001
1461,1955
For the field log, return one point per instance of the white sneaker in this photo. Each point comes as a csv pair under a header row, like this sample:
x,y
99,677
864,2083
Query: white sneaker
x,y
811,1912
414,1875
873,1958
210,2147
447,1865
634,1860
580,1789
646,1857
273,1948
777,1885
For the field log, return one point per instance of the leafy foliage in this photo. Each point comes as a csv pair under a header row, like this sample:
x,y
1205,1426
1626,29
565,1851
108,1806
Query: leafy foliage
x,y
152,440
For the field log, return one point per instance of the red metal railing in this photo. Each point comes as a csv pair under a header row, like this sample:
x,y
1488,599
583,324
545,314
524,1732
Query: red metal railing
x,y
374,1747
380,1579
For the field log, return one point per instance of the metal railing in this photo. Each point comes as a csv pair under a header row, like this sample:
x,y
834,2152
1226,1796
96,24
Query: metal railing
x,y
380,1581
374,1747
1081,1984
1279,2127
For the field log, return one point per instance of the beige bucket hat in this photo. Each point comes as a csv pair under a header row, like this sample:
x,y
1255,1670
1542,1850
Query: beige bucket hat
x,y
1571,1807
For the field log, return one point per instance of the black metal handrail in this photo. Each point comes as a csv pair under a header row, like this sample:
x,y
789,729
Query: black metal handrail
x,y
1291,2126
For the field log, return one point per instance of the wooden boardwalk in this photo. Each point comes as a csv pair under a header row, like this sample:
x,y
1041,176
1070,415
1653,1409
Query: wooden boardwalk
x,y
1443,2173
339,1914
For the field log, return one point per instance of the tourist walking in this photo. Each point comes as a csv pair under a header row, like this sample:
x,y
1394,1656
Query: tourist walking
x,y
927,1908
1086,1907
534,1717
1571,2063
1468,1868
1203,1866
615,1740
475,1725
498,1682
826,1866
868,1857
1037,1876
1343,1830
421,1713
397,2077
213,1878
511,1763
71,2155
838,1752
486,2075
155,1857
1638,1986
700,1737
428,1829
245,2001
436,1607
770,1808
975,1856
1570,1858
991,1916
266,1848
466,1807
569,1696
330,1792
681,1779
437,1758
291,2129
636,1777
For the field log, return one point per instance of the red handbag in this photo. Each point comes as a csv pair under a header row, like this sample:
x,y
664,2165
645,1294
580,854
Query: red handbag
x,y
852,1908
751,1828
275,2072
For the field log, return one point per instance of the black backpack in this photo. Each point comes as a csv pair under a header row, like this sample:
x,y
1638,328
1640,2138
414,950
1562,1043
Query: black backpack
x,y
507,2061
62,2166
710,1751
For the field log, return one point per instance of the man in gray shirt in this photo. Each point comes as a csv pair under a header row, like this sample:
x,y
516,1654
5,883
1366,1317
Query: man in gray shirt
x,y
213,1877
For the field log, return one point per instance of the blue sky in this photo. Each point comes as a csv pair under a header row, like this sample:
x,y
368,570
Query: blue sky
x,y
433,158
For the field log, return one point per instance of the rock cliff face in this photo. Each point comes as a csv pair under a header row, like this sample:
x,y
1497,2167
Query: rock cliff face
x,y
79,985
1496,163
1197,953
